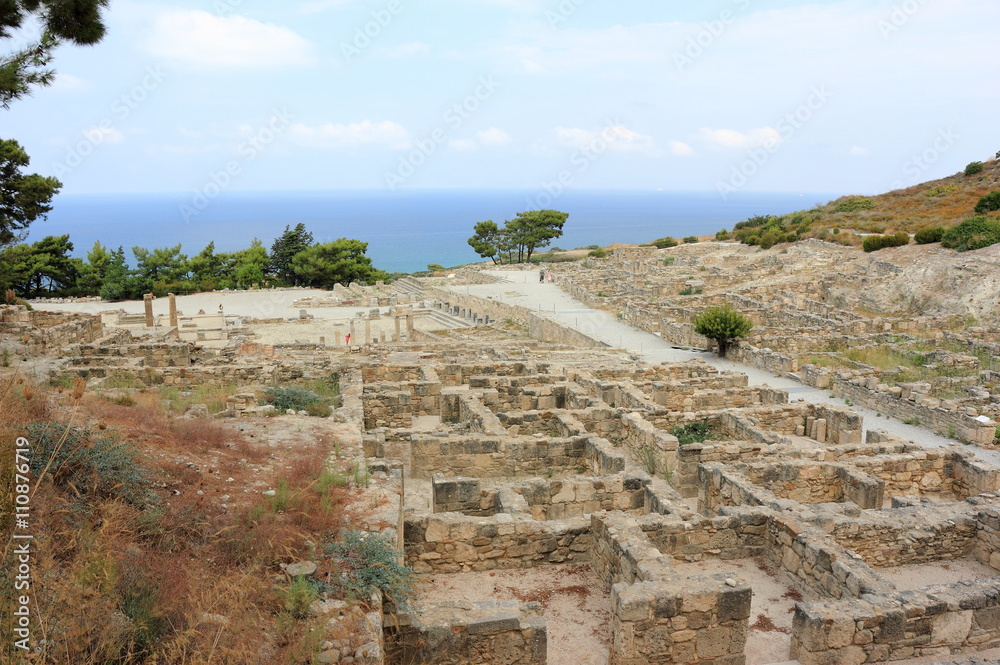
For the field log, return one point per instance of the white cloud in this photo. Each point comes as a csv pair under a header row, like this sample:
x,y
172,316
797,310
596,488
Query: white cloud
x,y
858,151
227,41
186,149
70,83
98,134
465,145
612,137
321,5
407,50
681,149
730,138
494,136
366,132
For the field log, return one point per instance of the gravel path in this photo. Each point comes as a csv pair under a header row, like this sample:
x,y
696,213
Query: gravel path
x,y
523,288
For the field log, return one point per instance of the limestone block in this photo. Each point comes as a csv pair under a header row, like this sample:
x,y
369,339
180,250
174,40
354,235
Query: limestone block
x,y
951,627
437,531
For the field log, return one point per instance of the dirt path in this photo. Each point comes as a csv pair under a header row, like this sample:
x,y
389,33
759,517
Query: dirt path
x,y
522,288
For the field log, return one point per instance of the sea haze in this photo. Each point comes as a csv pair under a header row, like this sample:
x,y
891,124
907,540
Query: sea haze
x,y
405,231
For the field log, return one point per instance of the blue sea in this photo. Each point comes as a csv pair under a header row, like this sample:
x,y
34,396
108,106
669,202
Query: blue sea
x,y
406,230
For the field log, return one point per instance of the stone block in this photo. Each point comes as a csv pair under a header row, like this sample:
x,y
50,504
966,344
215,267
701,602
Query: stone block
x,y
952,627
735,605
713,642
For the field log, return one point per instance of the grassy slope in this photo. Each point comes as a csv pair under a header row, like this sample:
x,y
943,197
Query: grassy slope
x,y
945,202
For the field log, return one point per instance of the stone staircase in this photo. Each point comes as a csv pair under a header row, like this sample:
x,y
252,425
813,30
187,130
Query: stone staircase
x,y
409,287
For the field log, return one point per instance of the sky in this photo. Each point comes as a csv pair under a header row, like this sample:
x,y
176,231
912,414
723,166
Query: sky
x,y
718,95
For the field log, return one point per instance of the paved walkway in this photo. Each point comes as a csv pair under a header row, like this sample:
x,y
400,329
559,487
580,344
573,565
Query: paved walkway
x,y
523,288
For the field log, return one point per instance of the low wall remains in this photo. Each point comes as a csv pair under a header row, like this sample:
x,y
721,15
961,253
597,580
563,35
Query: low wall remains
x,y
467,633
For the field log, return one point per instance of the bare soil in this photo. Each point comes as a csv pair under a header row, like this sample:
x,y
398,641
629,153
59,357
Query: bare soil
x,y
917,576
576,607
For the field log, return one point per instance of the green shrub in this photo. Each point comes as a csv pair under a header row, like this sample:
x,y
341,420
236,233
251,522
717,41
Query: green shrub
x,y
690,291
875,243
691,240
989,203
368,562
855,204
668,261
723,235
75,459
722,324
972,168
941,190
928,235
973,233
664,243
299,596
696,432
598,253
768,240
302,399
291,397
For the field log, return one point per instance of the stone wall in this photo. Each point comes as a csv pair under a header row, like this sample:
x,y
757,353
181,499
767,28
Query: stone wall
x,y
384,407
910,535
215,375
542,328
822,422
657,616
938,621
811,483
467,633
897,404
772,485
651,447
818,565
765,359
492,457
452,543
46,333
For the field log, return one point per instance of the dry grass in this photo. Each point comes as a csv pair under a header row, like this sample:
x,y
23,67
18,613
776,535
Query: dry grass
x,y
180,580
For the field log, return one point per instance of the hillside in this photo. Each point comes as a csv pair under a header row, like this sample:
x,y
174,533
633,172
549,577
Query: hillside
x,y
944,202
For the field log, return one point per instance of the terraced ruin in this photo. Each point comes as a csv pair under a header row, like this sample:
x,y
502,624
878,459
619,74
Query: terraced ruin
x,y
563,501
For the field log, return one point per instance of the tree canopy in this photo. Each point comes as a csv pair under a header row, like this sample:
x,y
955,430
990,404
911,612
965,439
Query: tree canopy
x,y
78,21
487,239
339,262
40,267
284,249
23,197
722,324
520,236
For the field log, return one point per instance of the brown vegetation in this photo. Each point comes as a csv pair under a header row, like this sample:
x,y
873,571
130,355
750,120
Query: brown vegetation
x,y
189,576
